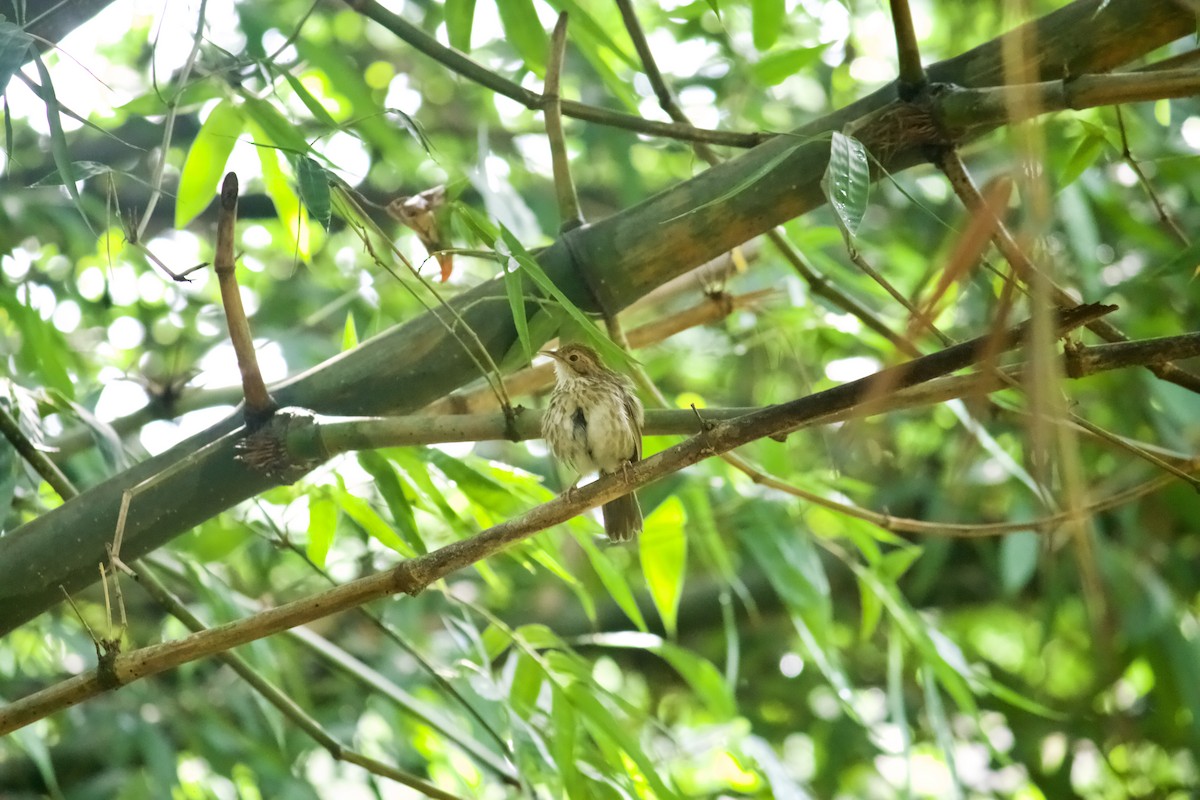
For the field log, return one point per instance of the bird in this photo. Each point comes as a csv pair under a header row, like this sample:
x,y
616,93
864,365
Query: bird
x,y
593,423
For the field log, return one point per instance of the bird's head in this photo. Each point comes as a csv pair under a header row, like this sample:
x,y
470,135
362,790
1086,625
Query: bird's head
x,y
575,360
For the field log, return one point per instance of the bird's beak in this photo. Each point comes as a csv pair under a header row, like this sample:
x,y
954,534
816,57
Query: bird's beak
x,y
552,353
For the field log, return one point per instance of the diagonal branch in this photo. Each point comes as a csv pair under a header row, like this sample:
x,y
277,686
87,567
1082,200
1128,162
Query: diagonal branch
x,y
473,70
641,248
413,576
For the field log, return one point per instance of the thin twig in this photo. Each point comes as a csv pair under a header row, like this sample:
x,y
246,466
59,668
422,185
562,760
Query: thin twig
x,y
949,161
37,459
414,575
472,70
259,404
1164,216
286,706
568,201
912,74
156,178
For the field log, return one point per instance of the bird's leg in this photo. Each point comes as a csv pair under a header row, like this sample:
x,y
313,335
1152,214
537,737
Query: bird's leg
x,y
569,492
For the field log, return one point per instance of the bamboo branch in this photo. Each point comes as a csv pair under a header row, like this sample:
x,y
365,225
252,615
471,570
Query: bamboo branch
x,y
959,108
912,74
568,202
284,704
949,161
413,576
474,71
259,404
642,247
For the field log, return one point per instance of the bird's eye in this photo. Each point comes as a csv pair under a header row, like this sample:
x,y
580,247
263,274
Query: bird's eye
x,y
572,358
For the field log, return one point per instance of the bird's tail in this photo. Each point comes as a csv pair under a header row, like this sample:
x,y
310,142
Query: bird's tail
x,y
622,518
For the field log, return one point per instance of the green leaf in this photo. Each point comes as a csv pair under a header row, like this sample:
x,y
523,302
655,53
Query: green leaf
x,y
527,679
536,636
278,130
775,68
748,182
483,489
391,488
704,678
603,723
411,464
766,20
460,17
311,103
349,333
288,208
896,702
366,517
936,651
322,522
614,581
188,98
562,743
58,140
80,170
515,292
611,353
663,549
204,166
14,52
1086,152
313,181
1186,260
936,715
524,31
847,181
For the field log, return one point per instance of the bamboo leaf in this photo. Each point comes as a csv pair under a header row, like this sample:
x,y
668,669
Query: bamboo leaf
x,y
311,103
514,291
369,520
774,68
613,581
663,549
313,181
460,17
847,181
391,488
288,207
58,140
204,166
14,52
322,522
279,131
767,18
524,31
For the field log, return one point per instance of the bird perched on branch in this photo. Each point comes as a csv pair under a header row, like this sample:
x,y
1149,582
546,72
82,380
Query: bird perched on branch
x,y
594,423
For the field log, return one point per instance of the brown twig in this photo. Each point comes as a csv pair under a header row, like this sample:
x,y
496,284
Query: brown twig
x,y
568,200
472,70
286,706
259,404
949,161
912,74
531,379
1163,215
413,576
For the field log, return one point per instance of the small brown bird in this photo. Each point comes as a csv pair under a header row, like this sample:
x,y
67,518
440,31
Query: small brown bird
x,y
594,424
